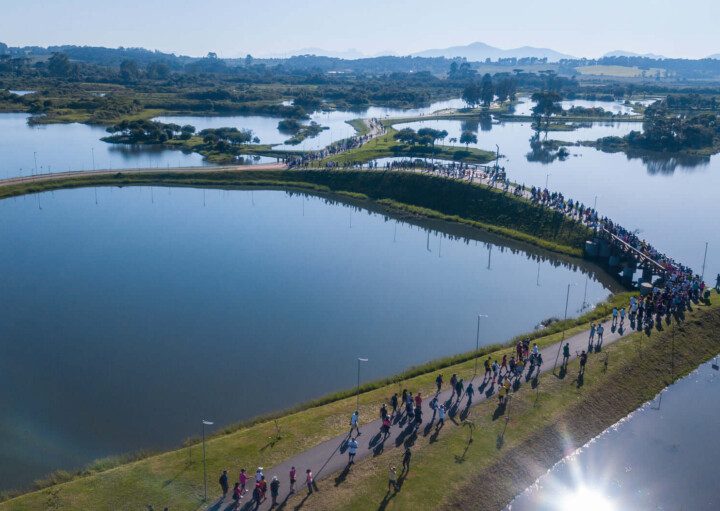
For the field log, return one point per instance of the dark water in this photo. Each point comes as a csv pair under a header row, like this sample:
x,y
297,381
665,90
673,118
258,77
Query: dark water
x,y
126,321
661,457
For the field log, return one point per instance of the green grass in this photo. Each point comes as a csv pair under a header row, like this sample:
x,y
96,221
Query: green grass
x,y
386,145
452,472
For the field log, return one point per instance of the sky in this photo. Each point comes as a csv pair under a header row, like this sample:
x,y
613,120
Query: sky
x,y
233,28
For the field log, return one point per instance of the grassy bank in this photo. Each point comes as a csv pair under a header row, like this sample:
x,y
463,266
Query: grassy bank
x,y
415,193
386,146
486,462
175,478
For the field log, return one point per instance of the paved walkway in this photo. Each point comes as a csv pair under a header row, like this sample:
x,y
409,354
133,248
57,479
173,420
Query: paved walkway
x,y
330,457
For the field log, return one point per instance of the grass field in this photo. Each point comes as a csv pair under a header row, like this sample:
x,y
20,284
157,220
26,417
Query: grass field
x,y
386,145
620,71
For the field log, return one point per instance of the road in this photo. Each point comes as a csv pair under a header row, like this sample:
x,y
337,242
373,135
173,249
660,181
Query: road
x,y
330,457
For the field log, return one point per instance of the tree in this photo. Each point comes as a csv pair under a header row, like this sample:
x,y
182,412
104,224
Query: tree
x,y
487,90
158,71
547,103
129,71
467,138
59,65
406,136
472,94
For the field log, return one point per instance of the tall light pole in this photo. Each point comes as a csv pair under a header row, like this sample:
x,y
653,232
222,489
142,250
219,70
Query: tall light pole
x,y
205,423
357,398
702,276
567,300
92,150
477,342
35,158
547,177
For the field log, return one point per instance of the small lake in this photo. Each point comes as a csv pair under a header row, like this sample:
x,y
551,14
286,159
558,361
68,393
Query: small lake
x,y
525,105
128,314
662,456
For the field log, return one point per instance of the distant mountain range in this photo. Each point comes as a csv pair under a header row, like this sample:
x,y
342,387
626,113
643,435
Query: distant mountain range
x,y
349,54
480,51
715,56
622,53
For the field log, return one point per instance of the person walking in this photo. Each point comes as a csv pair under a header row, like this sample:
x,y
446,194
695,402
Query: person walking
x,y
488,369
352,450
418,400
236,496
504,364
224,483
274,490
293,479
583,361
592,334
309,481
243,481
717,283
392,479
459,388
394,403
495,370
355,422
600,332
566,354
453,382
470,392
439,382
259,475
441,416
622,317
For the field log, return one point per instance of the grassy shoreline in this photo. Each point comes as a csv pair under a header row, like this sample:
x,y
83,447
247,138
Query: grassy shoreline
x,y
418,194
484,466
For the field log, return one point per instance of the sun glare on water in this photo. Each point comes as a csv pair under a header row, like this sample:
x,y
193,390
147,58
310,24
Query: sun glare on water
x,y
585,499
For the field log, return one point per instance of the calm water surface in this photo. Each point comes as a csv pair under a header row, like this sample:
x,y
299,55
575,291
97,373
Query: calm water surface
x,y
667,200
126,318
661,457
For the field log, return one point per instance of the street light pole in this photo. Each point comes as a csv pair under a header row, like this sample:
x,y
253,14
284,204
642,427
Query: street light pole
x,y
92,150
357,398
567,300
702,276
205,423
477,342
547,177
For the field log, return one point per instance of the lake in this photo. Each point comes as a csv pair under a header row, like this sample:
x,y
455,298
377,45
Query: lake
x,y
662,456
666,199
129,314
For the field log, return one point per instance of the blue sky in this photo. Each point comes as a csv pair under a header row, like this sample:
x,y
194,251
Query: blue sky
x,y
237,27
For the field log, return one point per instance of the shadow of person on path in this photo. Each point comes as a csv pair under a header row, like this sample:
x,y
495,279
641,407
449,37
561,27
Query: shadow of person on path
x,y
534,382
563,372
490,391
374,440
343,475
580,379
499,411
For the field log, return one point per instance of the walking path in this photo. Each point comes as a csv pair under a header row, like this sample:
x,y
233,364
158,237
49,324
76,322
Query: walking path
x,y
170,170
330,456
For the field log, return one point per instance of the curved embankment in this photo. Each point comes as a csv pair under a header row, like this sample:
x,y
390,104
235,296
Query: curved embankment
x,y
413,193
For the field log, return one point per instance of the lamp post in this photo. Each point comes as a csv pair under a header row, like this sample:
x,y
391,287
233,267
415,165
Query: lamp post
x,y
567,300
477,342
702,276
547,177
205,423
357,398
92,150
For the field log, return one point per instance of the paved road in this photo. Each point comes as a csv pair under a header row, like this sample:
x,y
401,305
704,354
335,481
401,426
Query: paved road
x,y
171,170
330,456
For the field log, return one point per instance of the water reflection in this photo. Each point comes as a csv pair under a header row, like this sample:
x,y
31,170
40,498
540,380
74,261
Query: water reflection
x,y
661,456
161,303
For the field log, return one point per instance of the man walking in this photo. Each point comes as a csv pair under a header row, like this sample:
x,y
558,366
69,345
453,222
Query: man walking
x,y
355,422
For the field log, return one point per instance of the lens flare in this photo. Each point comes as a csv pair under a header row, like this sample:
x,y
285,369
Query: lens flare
x,y
586,499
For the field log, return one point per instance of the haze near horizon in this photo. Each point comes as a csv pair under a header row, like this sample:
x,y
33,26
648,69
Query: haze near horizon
x,y
234,29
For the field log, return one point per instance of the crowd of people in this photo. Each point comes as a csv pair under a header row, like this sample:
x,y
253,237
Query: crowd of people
x,y
309,158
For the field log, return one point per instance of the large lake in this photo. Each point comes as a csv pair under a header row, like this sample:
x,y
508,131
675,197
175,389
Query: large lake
x,y
127,316
662,456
